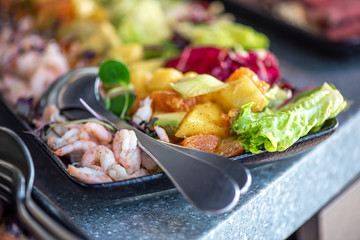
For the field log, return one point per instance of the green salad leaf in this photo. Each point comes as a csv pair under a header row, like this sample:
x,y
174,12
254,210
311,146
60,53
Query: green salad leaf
x,y
278,130
276,96
116,79
114,72
120,104
145,22
226,35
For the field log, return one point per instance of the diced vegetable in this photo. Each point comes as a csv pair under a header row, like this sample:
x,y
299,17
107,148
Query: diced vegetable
x,y
204,118
244,71
197,85
169,121
170,101
128,53
202,142
162,78
139,78
229,149
239,92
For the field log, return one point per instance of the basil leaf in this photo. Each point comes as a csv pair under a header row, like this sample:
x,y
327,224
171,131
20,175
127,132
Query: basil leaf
x,y
114,72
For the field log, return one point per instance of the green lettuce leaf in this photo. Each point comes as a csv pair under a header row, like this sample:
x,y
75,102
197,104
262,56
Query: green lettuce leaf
x,y
225,35
144,23
276,96
278,130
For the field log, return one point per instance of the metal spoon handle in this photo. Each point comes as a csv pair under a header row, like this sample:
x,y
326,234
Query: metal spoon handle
x,y
207,187
175,162
237,171
218,192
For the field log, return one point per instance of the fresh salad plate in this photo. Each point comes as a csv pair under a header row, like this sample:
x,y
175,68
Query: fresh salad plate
x,y
157,181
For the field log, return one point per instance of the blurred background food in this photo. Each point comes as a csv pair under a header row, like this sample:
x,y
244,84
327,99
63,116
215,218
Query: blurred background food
x,y
43,39
10,227
337,20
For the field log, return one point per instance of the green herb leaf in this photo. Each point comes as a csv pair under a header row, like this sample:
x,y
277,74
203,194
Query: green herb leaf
x,y
114,72
121,104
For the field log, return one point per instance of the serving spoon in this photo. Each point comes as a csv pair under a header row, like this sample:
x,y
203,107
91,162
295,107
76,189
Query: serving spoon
x,y
210,182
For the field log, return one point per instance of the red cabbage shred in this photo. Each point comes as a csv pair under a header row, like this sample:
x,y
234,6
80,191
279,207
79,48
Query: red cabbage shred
x,y
221,63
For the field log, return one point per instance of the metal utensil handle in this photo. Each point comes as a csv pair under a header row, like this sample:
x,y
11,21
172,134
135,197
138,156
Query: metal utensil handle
x,y
218,193
17,180
238,172
207,187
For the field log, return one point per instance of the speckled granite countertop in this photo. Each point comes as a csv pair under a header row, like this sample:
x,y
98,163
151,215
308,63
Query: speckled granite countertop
x,y
283,194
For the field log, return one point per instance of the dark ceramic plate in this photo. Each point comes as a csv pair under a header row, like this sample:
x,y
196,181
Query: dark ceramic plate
x,y
267,20
158,182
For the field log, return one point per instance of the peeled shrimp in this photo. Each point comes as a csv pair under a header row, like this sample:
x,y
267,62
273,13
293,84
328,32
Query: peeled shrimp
x,y
140,173
161,134
118,172
98,156
27,63
52,114
126,151
57,142
88,175
51,66
14,88
77,146
102,159
95,132
147,162
144,112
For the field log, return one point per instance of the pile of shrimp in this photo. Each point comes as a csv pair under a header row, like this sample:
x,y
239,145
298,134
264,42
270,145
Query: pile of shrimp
x,y
97,154
29,63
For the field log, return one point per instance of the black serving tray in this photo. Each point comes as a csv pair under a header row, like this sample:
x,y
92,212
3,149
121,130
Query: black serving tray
x,y
312,41
152,183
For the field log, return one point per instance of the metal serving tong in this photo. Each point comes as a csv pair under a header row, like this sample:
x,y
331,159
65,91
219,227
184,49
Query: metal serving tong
x,y
16,184
210,182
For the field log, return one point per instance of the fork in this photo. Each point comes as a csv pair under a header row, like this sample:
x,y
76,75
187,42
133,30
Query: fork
x,y
12,191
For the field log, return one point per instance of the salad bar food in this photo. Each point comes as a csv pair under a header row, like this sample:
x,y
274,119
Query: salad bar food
x,y
337,20
329,27
182,72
